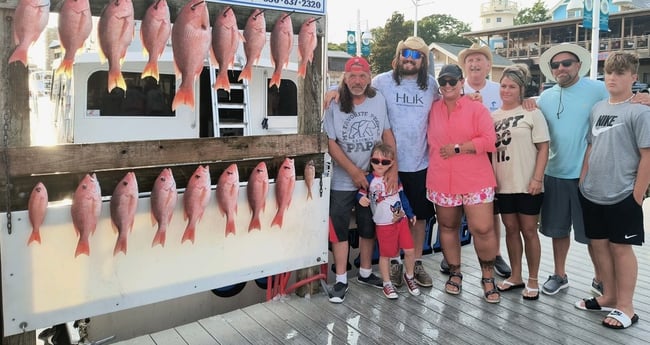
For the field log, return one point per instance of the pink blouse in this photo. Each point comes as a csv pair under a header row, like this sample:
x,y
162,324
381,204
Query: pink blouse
x,y
462,173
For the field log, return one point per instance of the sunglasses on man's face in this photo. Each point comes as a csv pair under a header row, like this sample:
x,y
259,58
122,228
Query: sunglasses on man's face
x,y
444,82
380,161
410,53
564,63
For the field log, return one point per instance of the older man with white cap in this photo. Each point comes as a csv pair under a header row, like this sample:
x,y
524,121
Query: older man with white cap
x,y
409,91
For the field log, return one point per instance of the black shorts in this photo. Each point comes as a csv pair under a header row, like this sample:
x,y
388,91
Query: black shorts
x,y
619,223
415,188
341,205
523,203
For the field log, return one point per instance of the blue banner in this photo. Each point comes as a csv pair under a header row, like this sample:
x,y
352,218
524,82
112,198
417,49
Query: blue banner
x,y
587,15
352,43
365,44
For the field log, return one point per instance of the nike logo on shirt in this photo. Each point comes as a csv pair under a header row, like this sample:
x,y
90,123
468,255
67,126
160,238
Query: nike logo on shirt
x,y
597,131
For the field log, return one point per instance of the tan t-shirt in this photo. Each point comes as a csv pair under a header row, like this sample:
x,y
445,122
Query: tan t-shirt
x,y
514,162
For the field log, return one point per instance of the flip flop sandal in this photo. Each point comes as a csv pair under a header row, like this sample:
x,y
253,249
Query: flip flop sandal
x,y
510,286
528,290
591,304
623,319
458,286
493,291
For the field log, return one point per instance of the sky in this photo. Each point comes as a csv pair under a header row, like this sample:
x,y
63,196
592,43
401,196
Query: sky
x,y
342,14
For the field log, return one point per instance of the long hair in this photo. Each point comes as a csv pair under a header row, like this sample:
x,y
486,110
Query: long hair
x,y
346,104
423,73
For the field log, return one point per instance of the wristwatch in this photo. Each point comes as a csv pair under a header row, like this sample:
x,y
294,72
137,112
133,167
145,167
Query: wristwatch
x,y
457,148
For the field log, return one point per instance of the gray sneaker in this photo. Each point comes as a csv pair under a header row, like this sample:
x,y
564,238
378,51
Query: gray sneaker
x,y
396,272
421,276
554,284
337,292
501,267
372,280
596,287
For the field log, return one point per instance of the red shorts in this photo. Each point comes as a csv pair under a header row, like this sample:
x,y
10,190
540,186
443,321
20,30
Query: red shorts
x,y
392,237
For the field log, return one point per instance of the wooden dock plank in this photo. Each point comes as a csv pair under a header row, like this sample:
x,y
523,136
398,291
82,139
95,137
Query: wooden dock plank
x,y
141,340
194,333
280,329
167,337
222,331
303,324
252,331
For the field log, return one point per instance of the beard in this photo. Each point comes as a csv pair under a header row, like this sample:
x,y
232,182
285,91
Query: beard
x,y
407,71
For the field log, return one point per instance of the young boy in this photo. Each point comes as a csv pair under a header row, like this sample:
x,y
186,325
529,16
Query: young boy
x,y
390,213
614,178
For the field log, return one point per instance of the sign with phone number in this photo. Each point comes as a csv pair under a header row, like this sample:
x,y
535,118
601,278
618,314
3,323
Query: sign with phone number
x,y
303,6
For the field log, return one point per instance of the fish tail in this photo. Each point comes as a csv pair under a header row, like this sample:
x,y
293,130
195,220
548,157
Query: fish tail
x,y
20,54
302,69
183,96
230,227
255,224
65,67
35,237
188,234
275,79
115,79
151,70
82,247
246,73
277,220
309,196
222,81
120,245
159,238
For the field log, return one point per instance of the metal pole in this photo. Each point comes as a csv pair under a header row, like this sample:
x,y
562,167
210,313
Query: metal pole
x,y
595,39
415,22
358,35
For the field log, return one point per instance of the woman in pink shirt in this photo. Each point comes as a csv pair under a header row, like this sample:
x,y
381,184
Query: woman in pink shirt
x,y
460,177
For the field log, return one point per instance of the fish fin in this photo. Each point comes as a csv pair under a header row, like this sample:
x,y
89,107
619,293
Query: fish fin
x,y
20,54
309,196
183,97
230,226
246,73
65,67
35,237
275,79
255,224
222,81
302,69
120,245
188,234
115,79
159,238
82,247
151,70
277,220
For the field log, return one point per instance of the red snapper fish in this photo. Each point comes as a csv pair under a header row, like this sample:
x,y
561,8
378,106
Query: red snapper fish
x,y
307,42
254,40
257,190
85,210
281,44
115,32
225,40
227,195
155,30
163,203
36,209
310,175
75,25
30,19
284,185
196,199
124,204
191,40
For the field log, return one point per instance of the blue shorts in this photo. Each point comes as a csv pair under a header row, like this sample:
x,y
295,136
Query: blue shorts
x,y
561,209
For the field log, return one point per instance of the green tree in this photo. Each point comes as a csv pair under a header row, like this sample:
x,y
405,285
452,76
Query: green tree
x,y
536,14
442,28
337,46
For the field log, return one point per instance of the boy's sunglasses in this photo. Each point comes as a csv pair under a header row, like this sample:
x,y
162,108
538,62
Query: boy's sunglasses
x,y
413,54
565,63
444,82
381,161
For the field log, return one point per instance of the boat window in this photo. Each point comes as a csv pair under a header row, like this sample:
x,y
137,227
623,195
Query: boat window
x,y
143,97
282,101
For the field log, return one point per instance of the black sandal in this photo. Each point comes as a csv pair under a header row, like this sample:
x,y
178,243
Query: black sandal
x,y
493,291
458,286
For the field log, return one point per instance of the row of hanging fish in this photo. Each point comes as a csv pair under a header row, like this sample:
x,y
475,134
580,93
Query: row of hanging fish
x,y
192,39
87,202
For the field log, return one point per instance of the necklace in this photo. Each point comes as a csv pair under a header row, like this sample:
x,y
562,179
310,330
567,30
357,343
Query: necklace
x,y
621,102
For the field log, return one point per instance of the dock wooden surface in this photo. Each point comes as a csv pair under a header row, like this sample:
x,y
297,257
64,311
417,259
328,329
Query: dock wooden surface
x,y
435,317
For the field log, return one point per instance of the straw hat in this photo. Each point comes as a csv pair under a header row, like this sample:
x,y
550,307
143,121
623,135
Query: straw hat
x,y
583,55
475,48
